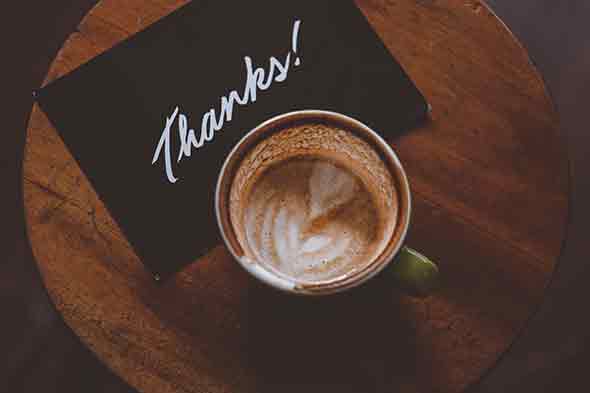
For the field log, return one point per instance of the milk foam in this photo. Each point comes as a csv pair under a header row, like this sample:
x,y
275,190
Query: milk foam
x,y
310,219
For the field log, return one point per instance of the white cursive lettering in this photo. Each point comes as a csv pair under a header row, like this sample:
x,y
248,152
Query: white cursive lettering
x,y
257,79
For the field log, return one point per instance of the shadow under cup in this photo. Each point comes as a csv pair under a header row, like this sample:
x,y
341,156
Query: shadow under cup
x,y
338,139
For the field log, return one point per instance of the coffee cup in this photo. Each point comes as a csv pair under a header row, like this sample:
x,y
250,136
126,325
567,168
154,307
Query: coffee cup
x,y
315,202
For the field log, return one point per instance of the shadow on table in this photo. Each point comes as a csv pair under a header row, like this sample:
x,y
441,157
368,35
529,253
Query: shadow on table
x,y
353,342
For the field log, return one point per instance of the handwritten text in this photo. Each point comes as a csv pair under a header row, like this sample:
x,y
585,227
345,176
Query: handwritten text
x,y
257,80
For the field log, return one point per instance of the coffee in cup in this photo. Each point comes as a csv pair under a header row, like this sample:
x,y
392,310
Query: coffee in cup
x,y
313,202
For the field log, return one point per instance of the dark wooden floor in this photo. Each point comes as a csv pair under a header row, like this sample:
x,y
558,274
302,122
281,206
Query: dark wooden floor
x,y
40,354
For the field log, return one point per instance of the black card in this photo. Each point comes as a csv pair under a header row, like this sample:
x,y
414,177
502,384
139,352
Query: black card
x,y
212,71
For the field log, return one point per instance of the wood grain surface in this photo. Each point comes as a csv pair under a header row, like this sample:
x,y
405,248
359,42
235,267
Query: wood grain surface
x,y
490,185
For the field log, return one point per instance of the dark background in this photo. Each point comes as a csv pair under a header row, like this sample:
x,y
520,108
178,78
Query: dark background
x,y
39,353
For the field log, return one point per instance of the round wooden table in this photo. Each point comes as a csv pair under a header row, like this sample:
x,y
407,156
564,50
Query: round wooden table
x,y
490,183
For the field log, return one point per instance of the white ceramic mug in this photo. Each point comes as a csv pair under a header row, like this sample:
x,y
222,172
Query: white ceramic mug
x,y
409,269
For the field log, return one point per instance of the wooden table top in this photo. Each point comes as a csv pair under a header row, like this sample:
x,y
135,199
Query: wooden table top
x,y
490,185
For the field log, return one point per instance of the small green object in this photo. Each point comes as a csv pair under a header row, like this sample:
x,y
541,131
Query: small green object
x,y
414,272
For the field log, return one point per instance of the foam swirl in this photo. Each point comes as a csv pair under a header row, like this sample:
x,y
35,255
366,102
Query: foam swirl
x,y
310,219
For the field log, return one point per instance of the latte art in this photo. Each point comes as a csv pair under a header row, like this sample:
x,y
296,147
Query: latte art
x,y
313,203
310,219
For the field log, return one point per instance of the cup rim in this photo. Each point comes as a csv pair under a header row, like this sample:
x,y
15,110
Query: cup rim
x,y
338,284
